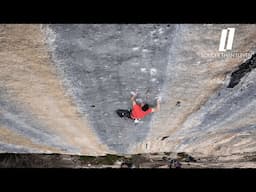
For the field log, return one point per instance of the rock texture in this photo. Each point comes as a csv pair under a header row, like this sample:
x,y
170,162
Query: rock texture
x,y
36,114
61,84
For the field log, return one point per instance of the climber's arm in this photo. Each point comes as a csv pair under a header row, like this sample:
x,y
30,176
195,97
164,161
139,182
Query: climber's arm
x,y
133,98
157,108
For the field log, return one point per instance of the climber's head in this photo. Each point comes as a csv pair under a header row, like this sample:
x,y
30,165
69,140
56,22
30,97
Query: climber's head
x,y
144,106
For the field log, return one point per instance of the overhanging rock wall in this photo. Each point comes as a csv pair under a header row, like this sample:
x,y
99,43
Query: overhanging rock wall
x,y
61,84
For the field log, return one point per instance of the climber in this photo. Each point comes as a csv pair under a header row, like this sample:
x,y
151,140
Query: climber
x,y
138,111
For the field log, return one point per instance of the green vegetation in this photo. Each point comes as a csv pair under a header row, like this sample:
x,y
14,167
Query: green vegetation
x,y
87,159
185,157
167,153
108,159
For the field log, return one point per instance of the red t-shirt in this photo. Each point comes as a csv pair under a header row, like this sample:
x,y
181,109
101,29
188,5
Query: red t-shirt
x,y
138,113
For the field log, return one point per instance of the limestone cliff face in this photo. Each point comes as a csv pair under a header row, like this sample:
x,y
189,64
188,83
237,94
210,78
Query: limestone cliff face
x,y
199,113
36,115
61,84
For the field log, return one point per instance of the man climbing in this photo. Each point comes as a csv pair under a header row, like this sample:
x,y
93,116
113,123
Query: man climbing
x,y
138,111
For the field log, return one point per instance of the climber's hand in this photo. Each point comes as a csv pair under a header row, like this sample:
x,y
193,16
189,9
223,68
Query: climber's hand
x,y
158,99
134,93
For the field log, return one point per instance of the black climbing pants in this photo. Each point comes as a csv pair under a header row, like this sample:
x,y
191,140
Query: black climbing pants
x,y
124,113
